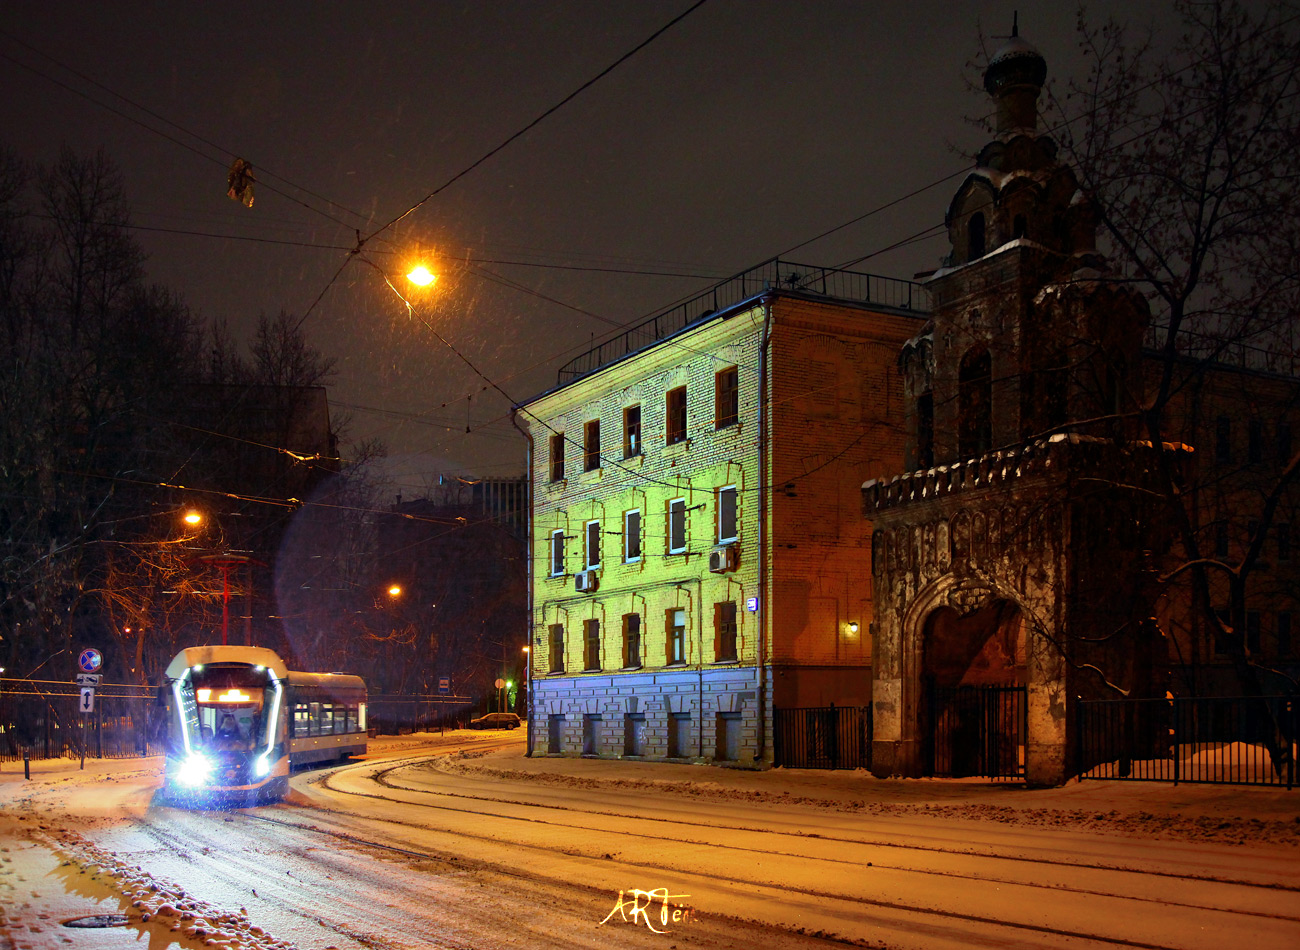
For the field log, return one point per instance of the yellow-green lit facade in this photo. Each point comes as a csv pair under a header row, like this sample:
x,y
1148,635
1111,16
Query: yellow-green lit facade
x,y
698,552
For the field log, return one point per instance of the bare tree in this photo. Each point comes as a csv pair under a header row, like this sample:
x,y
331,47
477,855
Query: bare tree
x,y
1192,156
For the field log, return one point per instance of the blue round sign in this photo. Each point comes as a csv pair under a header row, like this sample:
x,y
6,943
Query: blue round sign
x,y
90,660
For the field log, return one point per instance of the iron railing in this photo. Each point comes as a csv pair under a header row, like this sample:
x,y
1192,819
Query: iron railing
x,y
40,719
1234,740
390,714
774,274
1274,356
824,737
976,730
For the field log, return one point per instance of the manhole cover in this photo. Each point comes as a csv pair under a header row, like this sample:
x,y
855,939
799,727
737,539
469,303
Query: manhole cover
x,y
99,920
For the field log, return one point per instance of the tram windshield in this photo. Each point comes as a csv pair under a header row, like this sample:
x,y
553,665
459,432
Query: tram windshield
x,y
229,704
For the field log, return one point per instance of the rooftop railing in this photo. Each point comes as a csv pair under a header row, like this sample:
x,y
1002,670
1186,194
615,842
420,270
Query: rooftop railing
x,y
775,274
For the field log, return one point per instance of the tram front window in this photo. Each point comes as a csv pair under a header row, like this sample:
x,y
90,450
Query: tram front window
x,y
230,705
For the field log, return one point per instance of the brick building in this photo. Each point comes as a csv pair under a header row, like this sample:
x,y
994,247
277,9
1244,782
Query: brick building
x,y
698,557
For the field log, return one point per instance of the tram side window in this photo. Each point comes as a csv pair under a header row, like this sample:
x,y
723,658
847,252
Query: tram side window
x,y
325,719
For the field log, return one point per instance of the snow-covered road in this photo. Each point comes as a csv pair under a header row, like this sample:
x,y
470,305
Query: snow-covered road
x,y
465,850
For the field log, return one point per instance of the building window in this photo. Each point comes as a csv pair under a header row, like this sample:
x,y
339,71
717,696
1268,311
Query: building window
x,y
676,636
975,231
631,641
1252,632
591,644
557,457
724,630
631,536
925,430
677,526
727,514
557,553
726,385
676,428
1283,542
679,735
1018,226
554,733
555,634
593,545
1284,633
1283,442
1223,440
631,431
591,446
1254,441
634,733
975,404
591,734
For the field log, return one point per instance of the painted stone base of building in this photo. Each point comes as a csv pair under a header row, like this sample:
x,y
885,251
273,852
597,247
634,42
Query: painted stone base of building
x,y
697,715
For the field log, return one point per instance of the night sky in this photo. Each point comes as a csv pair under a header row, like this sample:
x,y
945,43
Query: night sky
x,y
742,132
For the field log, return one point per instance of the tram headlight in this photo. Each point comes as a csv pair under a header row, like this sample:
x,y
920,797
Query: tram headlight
x,y
261,766
194,770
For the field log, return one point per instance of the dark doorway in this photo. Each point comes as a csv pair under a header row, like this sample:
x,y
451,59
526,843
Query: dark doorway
x,y
973,710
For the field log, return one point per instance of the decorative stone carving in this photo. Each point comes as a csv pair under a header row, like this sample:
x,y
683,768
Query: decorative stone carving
x,y
969,595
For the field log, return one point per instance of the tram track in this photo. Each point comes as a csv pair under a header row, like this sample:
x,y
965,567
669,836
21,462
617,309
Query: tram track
x,y
400,852
383,779
832,903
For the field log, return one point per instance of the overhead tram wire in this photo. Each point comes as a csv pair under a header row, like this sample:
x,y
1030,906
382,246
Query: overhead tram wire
x,y
222,162
363,240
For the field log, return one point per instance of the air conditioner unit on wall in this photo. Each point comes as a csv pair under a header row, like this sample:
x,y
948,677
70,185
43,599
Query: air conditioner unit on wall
x,y
585,581
722,558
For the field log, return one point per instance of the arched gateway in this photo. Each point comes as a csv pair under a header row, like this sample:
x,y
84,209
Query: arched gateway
x,y
1010,562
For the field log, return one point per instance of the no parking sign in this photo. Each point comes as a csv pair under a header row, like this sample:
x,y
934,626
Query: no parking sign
x,y
90,660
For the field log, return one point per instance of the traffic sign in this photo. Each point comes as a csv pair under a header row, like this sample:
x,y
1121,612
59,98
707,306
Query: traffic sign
x,y
88,679
87,700
501,683
90,660
444,684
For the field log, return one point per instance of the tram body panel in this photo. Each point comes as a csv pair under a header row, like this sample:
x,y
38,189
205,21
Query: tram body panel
x,y
239,720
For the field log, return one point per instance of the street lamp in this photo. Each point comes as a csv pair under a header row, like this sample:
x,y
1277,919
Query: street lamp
x,y
193,517
421,276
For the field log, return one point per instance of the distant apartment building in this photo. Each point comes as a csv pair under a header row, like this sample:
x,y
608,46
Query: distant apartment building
x,y
698,556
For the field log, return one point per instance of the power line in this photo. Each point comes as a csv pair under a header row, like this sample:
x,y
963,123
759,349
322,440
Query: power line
x,y
362,241
161,118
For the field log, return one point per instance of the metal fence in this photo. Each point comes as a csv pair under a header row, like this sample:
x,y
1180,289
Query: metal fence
x,y
40,719
1234,740
824,737
774,274
976,730
391,714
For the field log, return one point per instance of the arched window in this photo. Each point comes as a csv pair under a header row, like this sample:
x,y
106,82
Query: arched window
x,y
975,403
1018,227
925,430
975,236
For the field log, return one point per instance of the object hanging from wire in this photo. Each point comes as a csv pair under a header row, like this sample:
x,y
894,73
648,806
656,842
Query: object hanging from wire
x,y
240,182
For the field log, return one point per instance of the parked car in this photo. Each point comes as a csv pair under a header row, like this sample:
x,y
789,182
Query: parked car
x,y
501,720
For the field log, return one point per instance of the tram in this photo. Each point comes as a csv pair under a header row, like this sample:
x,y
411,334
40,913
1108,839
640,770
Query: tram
x,y
238,720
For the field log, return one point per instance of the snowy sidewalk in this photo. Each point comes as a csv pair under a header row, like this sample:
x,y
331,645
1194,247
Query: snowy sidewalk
x,y
1224,813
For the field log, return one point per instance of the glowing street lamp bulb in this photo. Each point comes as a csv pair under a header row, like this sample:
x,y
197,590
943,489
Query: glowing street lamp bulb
x,y
421,275
193,517
395,591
